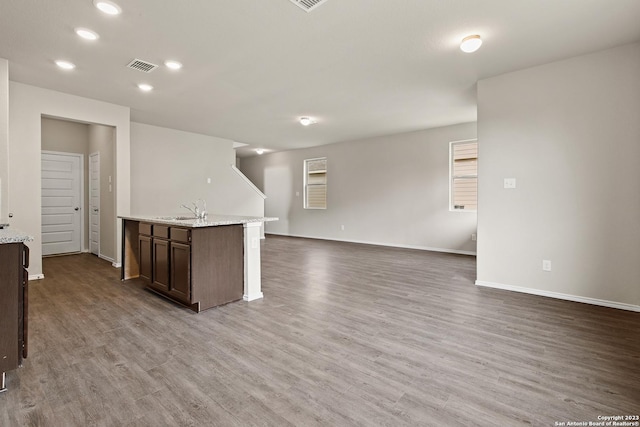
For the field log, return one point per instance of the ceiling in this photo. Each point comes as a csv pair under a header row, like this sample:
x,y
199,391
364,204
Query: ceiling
x,y
361,68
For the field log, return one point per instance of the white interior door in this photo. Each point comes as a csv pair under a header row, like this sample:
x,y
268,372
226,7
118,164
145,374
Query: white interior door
x,y
94,203
61,202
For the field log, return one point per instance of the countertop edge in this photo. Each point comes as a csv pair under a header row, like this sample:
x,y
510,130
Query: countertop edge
x,y
8,235
211,221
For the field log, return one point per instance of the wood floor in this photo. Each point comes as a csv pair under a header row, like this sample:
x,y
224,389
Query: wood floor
x,y
346,335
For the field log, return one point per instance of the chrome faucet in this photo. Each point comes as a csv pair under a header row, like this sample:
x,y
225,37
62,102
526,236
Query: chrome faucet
x,y
196,211
203,212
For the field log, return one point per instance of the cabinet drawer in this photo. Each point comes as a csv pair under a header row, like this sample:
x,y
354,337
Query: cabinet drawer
x,y
181,234
161,231
145,229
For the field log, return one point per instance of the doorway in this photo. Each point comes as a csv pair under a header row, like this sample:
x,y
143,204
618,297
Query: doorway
x,y
97,207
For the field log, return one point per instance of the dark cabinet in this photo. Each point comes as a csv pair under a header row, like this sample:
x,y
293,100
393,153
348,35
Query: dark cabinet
x,y
161,264
14,260
164,255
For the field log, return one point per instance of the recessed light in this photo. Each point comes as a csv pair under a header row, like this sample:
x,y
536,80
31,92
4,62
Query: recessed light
x,y
87,34
145,87
306,121
471,43
260,150
174,65
108,7
65,65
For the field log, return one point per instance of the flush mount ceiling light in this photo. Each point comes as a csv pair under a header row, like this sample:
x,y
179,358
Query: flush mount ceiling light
x,y
108,7
65,65
306,121
145,87
471,43
87,34
174,65
260,150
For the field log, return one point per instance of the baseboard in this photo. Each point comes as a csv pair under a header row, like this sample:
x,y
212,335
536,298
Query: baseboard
x,y
364,242
106,258
36,276
116,264
557,295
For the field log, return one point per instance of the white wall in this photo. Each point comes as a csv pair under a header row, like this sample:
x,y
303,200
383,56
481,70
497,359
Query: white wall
x,y
391,190
4,137
171,168
569,132
26,106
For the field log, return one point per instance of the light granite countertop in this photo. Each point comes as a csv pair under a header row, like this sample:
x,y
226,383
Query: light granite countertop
x,y
11,235
211,221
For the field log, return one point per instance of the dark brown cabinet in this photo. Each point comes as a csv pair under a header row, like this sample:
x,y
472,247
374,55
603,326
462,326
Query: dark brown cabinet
x,y
160,278
201,267
165,260
14,260
180,271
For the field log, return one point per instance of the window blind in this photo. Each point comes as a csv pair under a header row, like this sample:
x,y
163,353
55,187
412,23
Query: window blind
x,y
316,183
464,185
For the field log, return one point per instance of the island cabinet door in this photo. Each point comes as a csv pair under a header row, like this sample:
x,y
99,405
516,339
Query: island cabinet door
x,y
181,271
160,265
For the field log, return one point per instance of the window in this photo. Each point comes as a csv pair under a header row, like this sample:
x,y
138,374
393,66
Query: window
x,y
464,175
315,183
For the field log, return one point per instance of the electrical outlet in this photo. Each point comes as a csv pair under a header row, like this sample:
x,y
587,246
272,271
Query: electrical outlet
x,y
342,227
208,180
297,194
474,237
254,242
546,265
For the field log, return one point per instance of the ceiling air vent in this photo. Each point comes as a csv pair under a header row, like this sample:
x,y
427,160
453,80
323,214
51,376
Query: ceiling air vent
x,y
308,5
140,65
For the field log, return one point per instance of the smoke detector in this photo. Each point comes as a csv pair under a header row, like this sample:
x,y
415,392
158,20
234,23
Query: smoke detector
x,y
140,65
307,5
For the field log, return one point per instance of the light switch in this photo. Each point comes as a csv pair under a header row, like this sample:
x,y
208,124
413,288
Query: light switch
x,y
509,183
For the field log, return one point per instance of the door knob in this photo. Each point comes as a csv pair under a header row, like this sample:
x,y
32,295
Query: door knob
x,y
76,209
95,209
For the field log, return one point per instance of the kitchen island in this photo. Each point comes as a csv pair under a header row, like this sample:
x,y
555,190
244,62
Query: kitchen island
x,y
199,263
